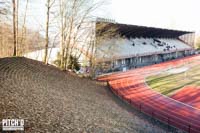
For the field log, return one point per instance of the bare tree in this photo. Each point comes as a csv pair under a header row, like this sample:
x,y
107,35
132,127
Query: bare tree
x,y
62,29
23,32
3,9
73,14
49,4
14,28
6,38
17,25
19,39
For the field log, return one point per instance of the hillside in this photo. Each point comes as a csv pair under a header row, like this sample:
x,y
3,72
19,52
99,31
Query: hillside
x,y
53,101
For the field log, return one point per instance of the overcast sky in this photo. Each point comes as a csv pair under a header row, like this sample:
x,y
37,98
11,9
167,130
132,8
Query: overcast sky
x,y
174,14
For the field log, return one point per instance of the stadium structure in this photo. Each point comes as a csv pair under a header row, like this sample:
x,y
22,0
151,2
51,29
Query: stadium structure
x,y
176,102
182,110
136,46
111,46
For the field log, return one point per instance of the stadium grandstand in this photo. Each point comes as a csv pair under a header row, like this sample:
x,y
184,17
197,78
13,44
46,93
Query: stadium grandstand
x,y
120,47
137,46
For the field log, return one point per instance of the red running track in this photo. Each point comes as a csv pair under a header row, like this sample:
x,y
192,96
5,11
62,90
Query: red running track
x,y
131,87
189,95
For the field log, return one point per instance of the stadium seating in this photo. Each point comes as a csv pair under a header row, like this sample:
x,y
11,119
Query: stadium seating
x,y
140,46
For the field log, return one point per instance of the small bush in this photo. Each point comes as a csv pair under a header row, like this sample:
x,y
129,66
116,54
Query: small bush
x,y
73,62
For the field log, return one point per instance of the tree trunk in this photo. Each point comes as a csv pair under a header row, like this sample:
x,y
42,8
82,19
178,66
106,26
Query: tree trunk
x,y
62,45
14,29
47,33
17,27
23,35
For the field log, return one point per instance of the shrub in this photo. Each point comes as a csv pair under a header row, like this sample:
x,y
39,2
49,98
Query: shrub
x,y
73,62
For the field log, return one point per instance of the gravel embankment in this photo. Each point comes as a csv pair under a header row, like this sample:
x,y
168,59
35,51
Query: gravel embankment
x,y
53,101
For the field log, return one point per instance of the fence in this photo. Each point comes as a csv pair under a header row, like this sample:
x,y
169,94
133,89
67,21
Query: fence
x,y
165,117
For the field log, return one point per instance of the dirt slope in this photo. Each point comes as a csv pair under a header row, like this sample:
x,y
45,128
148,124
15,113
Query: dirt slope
x,y
53,101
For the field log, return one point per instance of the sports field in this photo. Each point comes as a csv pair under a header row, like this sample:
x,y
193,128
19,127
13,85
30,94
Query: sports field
x,y
172,80
181,109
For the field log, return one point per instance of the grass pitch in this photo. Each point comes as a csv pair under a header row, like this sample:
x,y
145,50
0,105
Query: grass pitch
x,y
169,83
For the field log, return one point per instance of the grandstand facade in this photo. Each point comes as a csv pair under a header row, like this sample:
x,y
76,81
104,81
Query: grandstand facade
x,y
136,46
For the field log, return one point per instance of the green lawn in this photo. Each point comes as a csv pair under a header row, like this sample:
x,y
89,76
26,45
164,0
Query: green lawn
x,y
168,84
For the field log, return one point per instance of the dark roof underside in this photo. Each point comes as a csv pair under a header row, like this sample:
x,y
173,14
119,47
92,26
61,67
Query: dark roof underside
x,y
131,31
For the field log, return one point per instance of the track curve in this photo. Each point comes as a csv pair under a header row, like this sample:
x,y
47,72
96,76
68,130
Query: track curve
x,y
132,88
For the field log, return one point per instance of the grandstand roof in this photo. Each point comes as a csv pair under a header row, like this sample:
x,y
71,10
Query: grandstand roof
x,y
144,31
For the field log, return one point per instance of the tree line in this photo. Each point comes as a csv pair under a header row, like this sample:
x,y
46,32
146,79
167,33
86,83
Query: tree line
x,y
67,25
16,38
